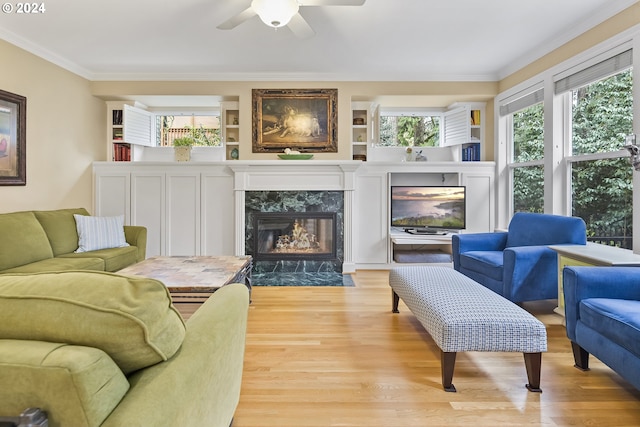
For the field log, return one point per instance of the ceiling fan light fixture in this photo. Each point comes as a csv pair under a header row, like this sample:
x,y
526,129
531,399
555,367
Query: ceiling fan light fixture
x,y
275,13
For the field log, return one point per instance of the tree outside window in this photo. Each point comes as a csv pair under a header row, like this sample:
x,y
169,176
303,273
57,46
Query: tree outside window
x,y
409,131
601,188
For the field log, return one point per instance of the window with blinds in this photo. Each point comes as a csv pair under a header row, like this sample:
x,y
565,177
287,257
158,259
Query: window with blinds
x,y
522,102
599,71
601,178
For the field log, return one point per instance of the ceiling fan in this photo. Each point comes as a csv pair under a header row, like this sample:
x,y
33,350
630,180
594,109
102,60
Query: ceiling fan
x,y
278,13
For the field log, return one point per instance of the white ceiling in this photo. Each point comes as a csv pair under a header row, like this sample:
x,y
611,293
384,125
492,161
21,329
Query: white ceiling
x,y
399,40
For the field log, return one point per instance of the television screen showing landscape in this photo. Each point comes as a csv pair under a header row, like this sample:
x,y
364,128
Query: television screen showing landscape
x,y
438,207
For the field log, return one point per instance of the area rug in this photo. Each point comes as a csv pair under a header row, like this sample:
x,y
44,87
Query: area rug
x,y
301,279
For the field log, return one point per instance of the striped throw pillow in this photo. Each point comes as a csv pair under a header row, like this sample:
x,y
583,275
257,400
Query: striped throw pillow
x,y
96,232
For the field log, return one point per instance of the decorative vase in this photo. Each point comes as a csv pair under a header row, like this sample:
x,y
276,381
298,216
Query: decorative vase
x,y
408,155
182,153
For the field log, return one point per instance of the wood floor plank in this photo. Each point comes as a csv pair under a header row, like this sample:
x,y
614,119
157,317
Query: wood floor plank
x,y
332,356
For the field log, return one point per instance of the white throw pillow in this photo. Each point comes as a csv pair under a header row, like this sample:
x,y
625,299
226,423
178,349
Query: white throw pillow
x,y
96,232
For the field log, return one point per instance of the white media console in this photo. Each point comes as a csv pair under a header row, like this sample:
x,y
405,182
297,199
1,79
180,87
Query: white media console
x,y
405,247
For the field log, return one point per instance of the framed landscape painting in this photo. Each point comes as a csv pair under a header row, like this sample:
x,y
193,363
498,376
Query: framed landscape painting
x,y
13,125
304,120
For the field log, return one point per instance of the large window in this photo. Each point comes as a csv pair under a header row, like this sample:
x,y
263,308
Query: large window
x,y
410,129
581,168
601,176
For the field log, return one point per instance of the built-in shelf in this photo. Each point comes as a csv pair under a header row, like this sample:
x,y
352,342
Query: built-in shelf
x,y
464,129
117,149
230,128
361,135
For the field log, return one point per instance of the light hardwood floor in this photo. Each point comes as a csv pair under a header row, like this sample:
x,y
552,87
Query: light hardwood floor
x,y
339,357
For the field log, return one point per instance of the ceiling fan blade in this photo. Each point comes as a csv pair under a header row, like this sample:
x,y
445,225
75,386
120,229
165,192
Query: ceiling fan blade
x,y
300,27
238,19
331,2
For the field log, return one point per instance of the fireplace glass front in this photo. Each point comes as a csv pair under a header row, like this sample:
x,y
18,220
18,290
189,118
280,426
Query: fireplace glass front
x,y
295,236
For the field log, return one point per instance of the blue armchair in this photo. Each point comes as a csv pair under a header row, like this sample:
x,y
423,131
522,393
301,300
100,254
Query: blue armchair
x,y
602,308
518,264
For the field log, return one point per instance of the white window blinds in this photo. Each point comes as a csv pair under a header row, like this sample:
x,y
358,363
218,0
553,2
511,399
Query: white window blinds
x,y
456,126
523,102
606,68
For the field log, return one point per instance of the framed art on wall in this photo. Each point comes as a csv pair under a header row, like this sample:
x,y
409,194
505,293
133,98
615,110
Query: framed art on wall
x,y
13,125
304,120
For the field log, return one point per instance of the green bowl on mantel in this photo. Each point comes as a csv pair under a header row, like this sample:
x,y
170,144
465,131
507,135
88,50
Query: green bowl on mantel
x,y
295,156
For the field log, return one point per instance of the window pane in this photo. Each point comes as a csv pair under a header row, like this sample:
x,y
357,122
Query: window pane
x,y
602,115
528,189
406,131
602,194
528,134
601,190
528,145
204,129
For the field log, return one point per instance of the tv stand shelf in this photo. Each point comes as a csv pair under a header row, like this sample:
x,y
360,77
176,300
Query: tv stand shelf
x,y
405,247
425,232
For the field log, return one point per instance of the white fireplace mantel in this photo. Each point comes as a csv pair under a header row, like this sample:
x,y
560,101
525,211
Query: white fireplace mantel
x,y
289,175
296,175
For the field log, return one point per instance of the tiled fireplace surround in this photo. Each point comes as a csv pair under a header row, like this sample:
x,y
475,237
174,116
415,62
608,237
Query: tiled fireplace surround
x,y
328,185
302,207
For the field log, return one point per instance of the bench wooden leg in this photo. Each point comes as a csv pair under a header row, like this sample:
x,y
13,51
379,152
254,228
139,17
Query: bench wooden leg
x,y
580,356
395,299
447,363
533,362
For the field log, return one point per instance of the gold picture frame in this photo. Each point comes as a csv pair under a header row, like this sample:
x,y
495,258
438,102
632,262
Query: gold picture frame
x,y
304,120
13,127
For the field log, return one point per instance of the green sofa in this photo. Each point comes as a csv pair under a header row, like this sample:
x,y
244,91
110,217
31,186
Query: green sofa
x,y
35,241
102,349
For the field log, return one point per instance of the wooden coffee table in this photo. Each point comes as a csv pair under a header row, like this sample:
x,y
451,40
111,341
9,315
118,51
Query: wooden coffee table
x,y
192,279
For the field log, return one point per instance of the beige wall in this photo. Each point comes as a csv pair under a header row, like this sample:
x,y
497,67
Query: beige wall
x,y
625,20
65,133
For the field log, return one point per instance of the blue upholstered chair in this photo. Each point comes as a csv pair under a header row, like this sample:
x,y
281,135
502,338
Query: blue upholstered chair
x,y
602,306
518,264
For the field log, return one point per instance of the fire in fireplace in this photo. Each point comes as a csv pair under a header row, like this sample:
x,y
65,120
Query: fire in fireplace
x,y
294,236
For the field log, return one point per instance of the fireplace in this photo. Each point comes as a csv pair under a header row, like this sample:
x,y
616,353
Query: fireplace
x,y
295,231
295,236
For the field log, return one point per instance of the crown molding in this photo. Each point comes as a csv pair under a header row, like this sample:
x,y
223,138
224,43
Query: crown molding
x,y
45,54
302,77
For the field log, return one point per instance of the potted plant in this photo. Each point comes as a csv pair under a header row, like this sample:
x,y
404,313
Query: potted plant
x,y
182,148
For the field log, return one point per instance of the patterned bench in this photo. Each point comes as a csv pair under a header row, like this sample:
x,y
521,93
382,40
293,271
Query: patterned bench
x,y
462,315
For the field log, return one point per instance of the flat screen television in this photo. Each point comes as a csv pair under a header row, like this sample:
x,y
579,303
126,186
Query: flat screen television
x,y
426,207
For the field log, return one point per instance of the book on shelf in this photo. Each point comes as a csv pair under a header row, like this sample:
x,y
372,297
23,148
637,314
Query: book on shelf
x,y
471,152
475,117
117,117
121,152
